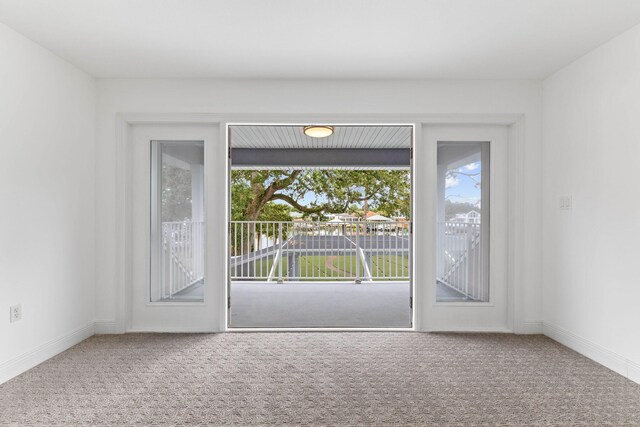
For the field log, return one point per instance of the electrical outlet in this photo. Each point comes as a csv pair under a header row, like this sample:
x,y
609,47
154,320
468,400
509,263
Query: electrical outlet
x,y
15,312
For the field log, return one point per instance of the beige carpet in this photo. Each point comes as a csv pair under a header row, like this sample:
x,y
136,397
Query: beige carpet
x,y
320,379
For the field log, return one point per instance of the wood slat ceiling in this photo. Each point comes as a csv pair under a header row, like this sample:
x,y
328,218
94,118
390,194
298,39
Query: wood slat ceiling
x,y
266,136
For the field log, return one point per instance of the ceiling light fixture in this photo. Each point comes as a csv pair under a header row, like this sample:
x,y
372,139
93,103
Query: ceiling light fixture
x,y
318,131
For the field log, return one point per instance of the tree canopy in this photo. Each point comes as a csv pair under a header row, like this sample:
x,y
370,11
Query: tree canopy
x,y
271,194
176,193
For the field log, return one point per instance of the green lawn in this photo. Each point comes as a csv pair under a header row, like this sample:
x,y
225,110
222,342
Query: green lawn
x,y
262,269
314,267
349,264
383,267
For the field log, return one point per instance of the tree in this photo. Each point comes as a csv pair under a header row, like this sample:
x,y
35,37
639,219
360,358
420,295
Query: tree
x,y
254,191
176,193
241,198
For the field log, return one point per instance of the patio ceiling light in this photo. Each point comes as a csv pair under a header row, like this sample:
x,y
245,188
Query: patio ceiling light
x,y
318,131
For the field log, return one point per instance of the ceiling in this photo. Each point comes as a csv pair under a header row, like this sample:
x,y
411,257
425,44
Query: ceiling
x,y
371,137
320,39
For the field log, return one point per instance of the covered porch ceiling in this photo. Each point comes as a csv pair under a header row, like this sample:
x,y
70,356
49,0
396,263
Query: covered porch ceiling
x,y
350,146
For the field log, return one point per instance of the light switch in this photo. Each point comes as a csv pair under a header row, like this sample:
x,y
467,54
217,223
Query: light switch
x,y
565,202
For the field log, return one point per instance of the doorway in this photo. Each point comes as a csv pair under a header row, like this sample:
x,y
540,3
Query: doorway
x,y
468,290
205,301
320,230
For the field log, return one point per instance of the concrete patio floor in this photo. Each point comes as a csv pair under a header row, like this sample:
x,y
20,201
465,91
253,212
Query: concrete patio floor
x,y
308,305
319,305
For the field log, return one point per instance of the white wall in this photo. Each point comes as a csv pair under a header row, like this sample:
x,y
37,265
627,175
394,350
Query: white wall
x,y
47,167
58,189
591,253
319,97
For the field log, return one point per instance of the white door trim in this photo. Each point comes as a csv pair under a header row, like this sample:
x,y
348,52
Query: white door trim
x,y
492,315
187,316
515,122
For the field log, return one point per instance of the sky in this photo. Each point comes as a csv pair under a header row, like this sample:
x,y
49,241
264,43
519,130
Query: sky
x,y
460,188
307,199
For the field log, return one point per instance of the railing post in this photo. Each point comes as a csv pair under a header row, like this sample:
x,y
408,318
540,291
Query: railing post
x,y
165,265
357,252
281,254
468,258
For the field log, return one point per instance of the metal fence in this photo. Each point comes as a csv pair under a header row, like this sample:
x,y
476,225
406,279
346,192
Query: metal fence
x,y
276,251
460,261
182,256
279,251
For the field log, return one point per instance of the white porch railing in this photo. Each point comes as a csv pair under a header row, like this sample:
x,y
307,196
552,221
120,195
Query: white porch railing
x,y
459,260
324,251
182,256
274,251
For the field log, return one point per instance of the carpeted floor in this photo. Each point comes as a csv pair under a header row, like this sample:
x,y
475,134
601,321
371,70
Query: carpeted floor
x,y
320,379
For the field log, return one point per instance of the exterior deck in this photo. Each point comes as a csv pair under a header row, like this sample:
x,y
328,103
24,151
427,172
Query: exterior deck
x,y
319,274
365,305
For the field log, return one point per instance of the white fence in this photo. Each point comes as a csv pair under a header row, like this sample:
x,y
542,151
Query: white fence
x,y
274,251
319,251
459,259
182,256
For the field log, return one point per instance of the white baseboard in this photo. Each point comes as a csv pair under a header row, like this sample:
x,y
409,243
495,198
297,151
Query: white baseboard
x,y
28,360
634,372
530,327
471,330
107,327
593,351
608,358
172,330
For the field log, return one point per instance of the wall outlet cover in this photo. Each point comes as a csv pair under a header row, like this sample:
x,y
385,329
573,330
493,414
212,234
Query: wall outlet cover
x,y
15,313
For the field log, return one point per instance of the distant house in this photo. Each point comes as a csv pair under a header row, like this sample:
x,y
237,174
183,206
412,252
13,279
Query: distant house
x,y
471,217
298,217
379,218
343,217
401,222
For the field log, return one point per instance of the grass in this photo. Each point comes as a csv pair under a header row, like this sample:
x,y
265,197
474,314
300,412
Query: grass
x,y
262,269
383,267
314,267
